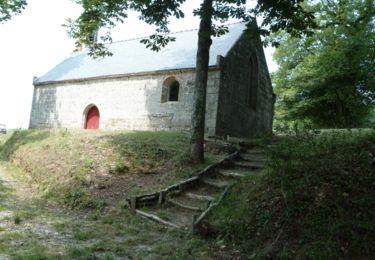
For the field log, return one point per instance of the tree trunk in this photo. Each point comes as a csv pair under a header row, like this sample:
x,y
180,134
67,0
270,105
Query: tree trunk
x,y
199,109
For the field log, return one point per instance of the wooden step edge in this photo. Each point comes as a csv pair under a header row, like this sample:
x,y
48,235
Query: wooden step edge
x,y
250,165
199,197
254,152
215,184
156,219
184,206
232,174
254,159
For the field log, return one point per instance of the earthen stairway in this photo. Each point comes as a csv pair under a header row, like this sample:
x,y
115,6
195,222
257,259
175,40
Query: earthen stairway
x,y
187,204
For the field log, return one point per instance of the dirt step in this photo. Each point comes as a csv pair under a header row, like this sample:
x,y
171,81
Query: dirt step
x,y
249,165
236,171
232,173
184,206
254,158
255,151
191,202
204,189
215,182
199,196
175,217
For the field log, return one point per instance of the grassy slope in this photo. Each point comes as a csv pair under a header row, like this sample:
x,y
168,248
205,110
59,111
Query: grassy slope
x,y
94,168
34,228
91,169
316,200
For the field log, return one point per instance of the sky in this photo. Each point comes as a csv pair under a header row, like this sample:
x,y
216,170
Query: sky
x,y
35,41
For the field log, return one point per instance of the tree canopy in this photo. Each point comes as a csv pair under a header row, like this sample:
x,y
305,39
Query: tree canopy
x,y
8,8
286,15
328,78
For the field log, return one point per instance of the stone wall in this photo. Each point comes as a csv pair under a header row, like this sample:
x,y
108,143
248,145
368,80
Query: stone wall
x,y
132,102
237,116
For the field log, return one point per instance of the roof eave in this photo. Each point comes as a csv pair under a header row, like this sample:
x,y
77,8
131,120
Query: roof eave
x,y
120,76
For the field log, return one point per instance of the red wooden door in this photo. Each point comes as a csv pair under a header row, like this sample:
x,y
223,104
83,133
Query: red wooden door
x,y
92,118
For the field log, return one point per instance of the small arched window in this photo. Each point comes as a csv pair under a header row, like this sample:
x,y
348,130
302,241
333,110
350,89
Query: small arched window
x,y
171,90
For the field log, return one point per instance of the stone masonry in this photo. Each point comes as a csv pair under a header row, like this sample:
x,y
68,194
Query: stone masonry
x,y
131,103
236,115
240,99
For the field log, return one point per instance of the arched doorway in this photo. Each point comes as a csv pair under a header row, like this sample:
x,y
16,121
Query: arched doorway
x,y
92,118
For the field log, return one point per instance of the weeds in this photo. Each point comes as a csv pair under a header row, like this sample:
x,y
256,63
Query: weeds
x,y
316,200
82,235
77,198
17,220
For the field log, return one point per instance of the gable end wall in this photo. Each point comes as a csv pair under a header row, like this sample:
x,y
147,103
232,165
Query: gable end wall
x,y
235,116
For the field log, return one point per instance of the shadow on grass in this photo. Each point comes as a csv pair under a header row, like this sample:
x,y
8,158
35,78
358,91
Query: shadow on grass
x,y
19,138
147,139
146,146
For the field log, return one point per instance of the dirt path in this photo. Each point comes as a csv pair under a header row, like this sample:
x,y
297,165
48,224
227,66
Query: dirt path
x,y
26,222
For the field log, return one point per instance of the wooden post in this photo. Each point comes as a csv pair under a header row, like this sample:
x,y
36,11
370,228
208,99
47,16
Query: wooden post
x,y
161,197
133,204
193,227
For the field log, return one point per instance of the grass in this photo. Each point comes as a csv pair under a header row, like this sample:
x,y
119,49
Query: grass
x,y
86,169
91,172
127,236
111,234
315,200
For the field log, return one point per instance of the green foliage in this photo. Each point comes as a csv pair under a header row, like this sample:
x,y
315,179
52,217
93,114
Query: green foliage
x,y
315,201
8,8
121,168
17,220
82,235
83,253
76,198
328,77
370,119
277,15
108,220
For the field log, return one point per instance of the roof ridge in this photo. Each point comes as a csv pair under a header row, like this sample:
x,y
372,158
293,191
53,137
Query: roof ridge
x,y
176,32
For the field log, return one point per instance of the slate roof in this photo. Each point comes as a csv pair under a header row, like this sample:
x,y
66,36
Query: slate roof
x,y
131,57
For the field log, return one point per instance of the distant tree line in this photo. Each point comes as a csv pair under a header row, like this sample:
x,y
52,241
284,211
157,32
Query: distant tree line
x,y
327,79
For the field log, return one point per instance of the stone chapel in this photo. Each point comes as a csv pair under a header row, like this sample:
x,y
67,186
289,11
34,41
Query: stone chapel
x,y
138,89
